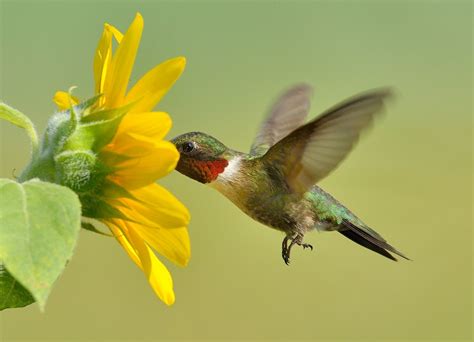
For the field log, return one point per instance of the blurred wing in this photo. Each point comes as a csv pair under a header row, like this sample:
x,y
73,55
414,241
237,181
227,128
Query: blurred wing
x,y
287,114
312,151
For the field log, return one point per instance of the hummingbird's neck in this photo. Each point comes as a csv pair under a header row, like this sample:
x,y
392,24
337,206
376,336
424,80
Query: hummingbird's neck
x,y
228,181
231,171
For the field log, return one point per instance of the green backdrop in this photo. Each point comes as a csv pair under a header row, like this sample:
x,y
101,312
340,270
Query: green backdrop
x,y
410,179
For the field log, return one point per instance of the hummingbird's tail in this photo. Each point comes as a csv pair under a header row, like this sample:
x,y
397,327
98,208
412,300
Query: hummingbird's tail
x,y
369,239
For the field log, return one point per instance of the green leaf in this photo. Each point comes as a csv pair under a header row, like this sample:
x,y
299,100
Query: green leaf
x,y
39,226
12,294
21,120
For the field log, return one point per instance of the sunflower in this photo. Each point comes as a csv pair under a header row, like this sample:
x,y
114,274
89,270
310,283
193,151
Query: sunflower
x,y
142,215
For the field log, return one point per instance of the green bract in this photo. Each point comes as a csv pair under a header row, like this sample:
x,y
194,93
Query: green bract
x,y
40,214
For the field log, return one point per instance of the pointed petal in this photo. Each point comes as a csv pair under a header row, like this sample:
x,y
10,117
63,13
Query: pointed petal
x,y
117,34
146,168
153,125
122,64
154,85
122,239
63,100
102,58
174,244
157,274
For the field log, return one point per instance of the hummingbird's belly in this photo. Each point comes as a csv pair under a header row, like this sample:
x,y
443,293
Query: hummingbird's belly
x,y
281,212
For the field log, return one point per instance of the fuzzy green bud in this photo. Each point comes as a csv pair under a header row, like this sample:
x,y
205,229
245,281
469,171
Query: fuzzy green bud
x,y
68,153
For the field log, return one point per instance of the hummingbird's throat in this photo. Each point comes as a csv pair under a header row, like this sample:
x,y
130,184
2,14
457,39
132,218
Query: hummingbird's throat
x,y
210,169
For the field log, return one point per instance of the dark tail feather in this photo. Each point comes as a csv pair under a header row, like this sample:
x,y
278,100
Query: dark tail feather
x,y
363,238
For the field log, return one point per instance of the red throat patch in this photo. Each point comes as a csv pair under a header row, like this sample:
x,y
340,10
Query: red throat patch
x,y
210,169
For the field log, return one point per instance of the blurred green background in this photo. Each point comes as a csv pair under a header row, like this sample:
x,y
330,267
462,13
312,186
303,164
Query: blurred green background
x,y
410,179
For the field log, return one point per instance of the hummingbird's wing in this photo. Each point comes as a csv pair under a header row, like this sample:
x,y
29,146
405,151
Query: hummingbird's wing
x,y
287,114
312,151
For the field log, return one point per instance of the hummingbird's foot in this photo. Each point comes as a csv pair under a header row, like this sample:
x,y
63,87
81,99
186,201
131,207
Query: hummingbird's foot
x,y
296,240
285,252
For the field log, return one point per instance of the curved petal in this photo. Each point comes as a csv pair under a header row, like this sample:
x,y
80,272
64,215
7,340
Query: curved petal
x,y
102,59
174,244
154,84
157,274
117,34
154,206
161,200
122,63
122,239
153,125
145,169
64,100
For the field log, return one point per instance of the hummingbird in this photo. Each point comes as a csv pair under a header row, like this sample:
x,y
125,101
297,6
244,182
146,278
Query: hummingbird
x,y
275,182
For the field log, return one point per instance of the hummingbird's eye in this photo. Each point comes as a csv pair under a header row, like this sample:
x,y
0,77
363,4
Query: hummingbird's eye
x,y
187,147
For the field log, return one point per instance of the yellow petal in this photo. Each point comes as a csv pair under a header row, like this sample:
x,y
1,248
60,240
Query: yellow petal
x,y
122,239
154,85
153,125
172,243
130,145
102,59
157,274
64,100
161,200
154,206
122,64
117,34
154,210
138,171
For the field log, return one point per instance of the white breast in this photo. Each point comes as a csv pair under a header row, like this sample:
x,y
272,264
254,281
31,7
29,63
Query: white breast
x,y
227,182
231,171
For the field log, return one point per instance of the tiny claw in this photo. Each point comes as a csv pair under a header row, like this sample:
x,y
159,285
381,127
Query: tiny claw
x,y
307,245
286,258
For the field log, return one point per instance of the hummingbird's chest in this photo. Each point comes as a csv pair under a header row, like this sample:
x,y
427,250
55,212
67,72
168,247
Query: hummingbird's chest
x,y
263,198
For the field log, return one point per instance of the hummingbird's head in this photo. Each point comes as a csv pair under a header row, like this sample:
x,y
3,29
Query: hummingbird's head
x,y
201,156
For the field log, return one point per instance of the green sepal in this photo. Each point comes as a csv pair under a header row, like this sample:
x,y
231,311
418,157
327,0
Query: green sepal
x,y
106,114
39,227
113,158
85,107
97,208
94,135
12,294
112,190
90,227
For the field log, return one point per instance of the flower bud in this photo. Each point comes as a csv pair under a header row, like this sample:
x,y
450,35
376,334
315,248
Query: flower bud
x,y
68,152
